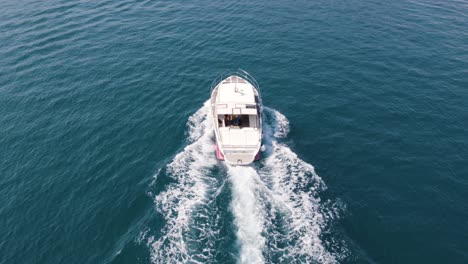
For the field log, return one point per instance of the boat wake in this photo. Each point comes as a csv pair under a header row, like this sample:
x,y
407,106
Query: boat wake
x,y
275,206
248,213
185,200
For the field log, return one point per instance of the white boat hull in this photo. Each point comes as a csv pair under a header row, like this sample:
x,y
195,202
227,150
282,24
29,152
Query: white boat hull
x,y
236,112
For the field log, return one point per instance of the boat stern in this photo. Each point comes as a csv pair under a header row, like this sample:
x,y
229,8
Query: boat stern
x,y
240,157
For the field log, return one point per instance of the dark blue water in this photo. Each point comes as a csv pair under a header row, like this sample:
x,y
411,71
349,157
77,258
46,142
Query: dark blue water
x,y
106,154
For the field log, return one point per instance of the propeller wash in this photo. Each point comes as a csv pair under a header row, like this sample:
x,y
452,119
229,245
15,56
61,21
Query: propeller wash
x,y
266,213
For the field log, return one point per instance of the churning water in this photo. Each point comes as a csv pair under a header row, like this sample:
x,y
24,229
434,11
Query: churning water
x,y
275,205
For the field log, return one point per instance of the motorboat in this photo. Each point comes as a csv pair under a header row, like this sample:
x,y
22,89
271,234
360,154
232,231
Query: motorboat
x,y
236,110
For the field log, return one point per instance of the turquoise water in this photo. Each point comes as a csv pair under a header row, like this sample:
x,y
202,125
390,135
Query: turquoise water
x,y
106,155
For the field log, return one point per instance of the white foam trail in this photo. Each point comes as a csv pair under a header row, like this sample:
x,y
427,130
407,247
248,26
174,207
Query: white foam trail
x,y
276,205
293,190
248,213
295,187
178,203
277,208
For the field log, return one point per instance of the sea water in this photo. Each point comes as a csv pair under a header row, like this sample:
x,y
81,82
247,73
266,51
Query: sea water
x,y
107,154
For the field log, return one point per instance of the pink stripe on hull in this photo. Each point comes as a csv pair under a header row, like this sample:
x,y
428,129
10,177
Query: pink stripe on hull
x,y
219,155
258,156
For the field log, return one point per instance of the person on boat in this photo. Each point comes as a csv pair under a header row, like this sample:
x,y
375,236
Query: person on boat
x,y
237,120
227,120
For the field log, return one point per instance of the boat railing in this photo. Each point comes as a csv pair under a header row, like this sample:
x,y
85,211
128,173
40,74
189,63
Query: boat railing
x,y
240,73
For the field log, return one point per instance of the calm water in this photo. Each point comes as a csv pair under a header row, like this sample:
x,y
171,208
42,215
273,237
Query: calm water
x,y
106,155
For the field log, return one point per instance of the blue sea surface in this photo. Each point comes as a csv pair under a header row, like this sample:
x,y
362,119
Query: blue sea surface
x,y
107,154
